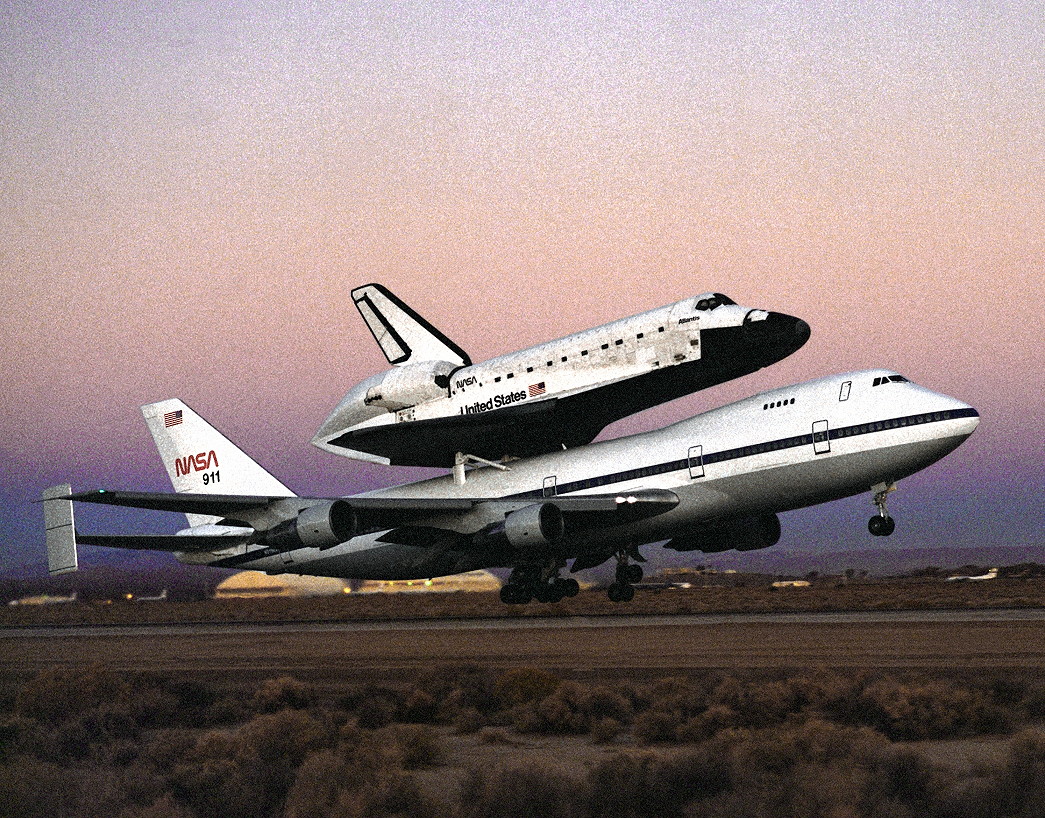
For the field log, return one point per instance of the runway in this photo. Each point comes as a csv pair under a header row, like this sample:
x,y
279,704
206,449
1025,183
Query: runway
x,y
618,646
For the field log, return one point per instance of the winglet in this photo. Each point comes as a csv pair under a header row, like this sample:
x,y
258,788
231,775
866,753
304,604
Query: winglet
x,y
61,535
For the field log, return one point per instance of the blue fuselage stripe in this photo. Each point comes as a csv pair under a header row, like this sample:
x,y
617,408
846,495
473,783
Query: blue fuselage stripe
x,y
748,451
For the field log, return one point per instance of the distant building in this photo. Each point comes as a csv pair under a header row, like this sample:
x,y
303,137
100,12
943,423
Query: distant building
x,y
258,584
472,581
792,583
44,599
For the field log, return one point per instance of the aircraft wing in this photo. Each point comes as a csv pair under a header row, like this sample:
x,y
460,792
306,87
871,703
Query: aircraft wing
x,y
404,520
380,511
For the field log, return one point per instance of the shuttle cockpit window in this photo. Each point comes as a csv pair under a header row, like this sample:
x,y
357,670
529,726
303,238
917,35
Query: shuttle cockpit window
x,y
889,379
713,300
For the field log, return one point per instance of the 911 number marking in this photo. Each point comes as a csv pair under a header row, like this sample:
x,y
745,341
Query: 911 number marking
x,y
211,477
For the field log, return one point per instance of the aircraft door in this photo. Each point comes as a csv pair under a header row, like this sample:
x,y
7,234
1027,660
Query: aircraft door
x,y
549,486
821,437
696,462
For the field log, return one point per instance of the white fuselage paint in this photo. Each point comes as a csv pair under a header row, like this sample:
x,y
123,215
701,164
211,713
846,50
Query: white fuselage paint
x,y
624,349
754,456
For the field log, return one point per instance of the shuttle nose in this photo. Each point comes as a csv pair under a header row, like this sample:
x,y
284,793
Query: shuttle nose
x,y
777,330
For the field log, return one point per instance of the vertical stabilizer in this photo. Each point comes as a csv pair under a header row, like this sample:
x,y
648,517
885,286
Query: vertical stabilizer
x,y
61,533
403,335
201,460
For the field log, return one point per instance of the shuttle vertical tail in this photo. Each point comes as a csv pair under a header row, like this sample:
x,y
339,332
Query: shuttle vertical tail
x,y
201,460
403,335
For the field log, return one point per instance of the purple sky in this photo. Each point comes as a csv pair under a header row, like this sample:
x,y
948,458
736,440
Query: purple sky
x,y
188,195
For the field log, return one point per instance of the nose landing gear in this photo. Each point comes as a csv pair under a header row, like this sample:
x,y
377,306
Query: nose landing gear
x,y
882,525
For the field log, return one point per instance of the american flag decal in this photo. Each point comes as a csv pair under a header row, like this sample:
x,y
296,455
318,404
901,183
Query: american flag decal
x,y
536,389
171,419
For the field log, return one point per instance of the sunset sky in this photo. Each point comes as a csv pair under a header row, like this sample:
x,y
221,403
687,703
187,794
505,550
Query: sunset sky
x,y
188,192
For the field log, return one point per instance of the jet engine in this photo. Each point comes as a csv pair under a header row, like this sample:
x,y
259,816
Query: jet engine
x,y
741,533
529,527
320,526
410,384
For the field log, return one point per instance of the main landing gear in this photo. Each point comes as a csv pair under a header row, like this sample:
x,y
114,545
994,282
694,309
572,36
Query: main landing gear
x,y
540,582
881,524
623,590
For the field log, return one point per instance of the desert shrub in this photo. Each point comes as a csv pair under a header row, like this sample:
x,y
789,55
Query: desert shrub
x,y
707,724
280,742
605,730
681,696
373,706
60,693
520,793
284,691
419,707
388,795
655,726
363,776
762,703
30,788
219,776
1022,778
468,720
635,785
524,685
419,746
247,771
163,807
1034,703
930,710
20,735
603,702
567,709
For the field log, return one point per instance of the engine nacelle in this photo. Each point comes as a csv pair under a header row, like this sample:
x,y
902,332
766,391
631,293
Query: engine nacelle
x,y
411,384
741,533
530,527
320,526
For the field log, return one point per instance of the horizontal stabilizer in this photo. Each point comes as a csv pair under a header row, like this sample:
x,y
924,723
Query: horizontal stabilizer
x,y
163,542
218,505
61,535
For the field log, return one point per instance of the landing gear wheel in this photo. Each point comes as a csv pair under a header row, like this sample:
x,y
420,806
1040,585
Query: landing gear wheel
x,y
619,592
570,587
515,594
881,526
632,573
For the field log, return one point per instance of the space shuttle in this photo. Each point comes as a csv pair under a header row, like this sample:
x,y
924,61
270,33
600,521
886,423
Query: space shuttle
x,y
435,407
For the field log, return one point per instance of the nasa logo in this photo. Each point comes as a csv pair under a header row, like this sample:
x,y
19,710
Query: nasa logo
x,y
469,381
195,462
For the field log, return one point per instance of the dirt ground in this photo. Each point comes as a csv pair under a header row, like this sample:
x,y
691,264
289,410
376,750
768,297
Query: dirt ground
x,y
329,655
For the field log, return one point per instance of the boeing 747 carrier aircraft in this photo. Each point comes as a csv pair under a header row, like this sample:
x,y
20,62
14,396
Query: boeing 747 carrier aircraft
x,y
437,408
710,483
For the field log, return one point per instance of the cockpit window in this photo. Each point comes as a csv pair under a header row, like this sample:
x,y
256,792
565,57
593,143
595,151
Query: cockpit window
x,y
714,300
898,379
890,379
